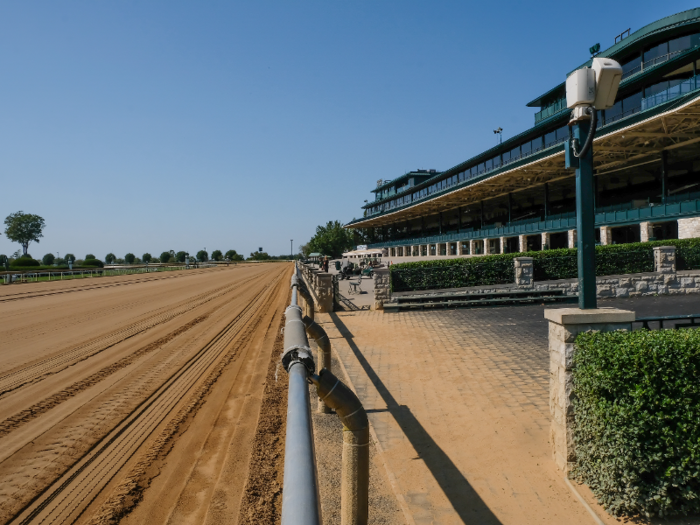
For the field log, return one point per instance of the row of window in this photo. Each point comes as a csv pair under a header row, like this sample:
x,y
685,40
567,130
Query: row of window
x,y
659,53
633,103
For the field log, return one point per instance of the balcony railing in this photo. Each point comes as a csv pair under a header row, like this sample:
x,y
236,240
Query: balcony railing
x,y
567,221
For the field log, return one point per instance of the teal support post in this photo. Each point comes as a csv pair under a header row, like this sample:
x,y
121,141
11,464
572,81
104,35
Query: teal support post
x,y
585,220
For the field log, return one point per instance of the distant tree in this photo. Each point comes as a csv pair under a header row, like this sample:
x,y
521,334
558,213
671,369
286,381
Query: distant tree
x,y
164,257
180,257
110,258
129,258
90,256
137,260
69,257
331,239
146,257
259,256
48,259
305,250
119,260
233,255
217,255
4,261
60,261
24,228
202,256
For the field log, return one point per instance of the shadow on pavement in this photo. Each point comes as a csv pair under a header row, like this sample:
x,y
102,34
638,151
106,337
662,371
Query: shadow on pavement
x,y
463,498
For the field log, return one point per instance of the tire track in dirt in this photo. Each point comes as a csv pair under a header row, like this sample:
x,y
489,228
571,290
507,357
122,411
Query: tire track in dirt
x,y
66,499
129,492
43,293
62,359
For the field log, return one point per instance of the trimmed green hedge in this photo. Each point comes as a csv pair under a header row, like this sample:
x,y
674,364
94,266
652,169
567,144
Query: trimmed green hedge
x,y
548,265
93,263
637,420
24,262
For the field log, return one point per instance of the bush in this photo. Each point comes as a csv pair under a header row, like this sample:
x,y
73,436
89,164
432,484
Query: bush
x,y
48,259
129,258
548,265
453,273
24,262
164,257
146,257
89,256
637,420
93,262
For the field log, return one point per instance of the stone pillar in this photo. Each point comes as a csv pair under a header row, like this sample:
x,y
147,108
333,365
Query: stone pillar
x,y
564,325
572,238
524,271
382,288
665,259
472,246
522,243
487,247
646,230
545,241
605,237
502,240
460,248
689,228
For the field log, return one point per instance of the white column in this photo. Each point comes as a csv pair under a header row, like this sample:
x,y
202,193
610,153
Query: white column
x,y
572,238
605,236
646,230
522,242
545,240
487,247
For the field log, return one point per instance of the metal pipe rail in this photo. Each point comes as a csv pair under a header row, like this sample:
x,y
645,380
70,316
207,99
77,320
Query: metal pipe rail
x,y
301,502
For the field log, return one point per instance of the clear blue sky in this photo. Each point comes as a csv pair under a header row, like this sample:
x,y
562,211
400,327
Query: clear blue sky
x,y
150,126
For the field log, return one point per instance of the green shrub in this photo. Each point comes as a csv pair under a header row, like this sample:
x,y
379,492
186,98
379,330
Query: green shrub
x,y
93,262
453,273
48,259
23,262
637,420
548,265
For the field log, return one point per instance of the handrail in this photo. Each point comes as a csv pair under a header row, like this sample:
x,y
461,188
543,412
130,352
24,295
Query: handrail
x,y
300,501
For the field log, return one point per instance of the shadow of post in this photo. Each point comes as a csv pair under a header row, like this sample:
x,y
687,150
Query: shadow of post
x,y
463,498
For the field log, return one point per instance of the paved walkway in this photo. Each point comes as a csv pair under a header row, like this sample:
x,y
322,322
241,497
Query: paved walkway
x,y
458,401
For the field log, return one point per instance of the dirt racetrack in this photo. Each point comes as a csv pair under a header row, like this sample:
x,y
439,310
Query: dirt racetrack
x,y
134,398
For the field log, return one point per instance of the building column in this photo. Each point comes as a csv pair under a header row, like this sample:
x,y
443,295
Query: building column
x,y
487,247
472,246
572,238
646,230
564,325
522,243
502,240
545,240
605,236
688,228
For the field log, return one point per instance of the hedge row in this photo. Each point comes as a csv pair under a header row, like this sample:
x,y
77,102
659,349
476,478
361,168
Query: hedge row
x,y
548,265
637,420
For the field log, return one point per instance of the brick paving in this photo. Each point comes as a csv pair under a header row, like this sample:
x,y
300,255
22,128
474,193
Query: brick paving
x,y
458,401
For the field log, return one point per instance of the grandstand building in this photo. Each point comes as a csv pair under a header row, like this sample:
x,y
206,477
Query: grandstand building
x,y
518,196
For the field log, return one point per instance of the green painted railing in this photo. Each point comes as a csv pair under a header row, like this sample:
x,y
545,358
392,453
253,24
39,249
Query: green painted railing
x,y
653,212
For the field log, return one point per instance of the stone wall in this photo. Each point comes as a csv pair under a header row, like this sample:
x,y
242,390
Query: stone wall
x,y
320,285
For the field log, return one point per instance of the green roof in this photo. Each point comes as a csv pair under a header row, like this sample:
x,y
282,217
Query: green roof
x,y
675,24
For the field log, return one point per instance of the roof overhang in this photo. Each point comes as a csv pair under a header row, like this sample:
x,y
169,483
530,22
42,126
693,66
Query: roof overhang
x,y
623,145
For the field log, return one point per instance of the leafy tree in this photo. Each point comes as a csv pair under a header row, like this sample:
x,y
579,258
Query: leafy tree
x,y
233,255
146,257
164,257
69,257
180,257
202,256
259,256
129,258
48,259
216,255
4,261
24,228
331,239
110,258
90,256
305,250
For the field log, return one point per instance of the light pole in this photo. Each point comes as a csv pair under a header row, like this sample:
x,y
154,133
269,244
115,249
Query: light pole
x,y
291,248
499,132
587,90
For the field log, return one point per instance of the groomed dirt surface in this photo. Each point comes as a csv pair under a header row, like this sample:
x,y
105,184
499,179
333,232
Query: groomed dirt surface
x,y
134,399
